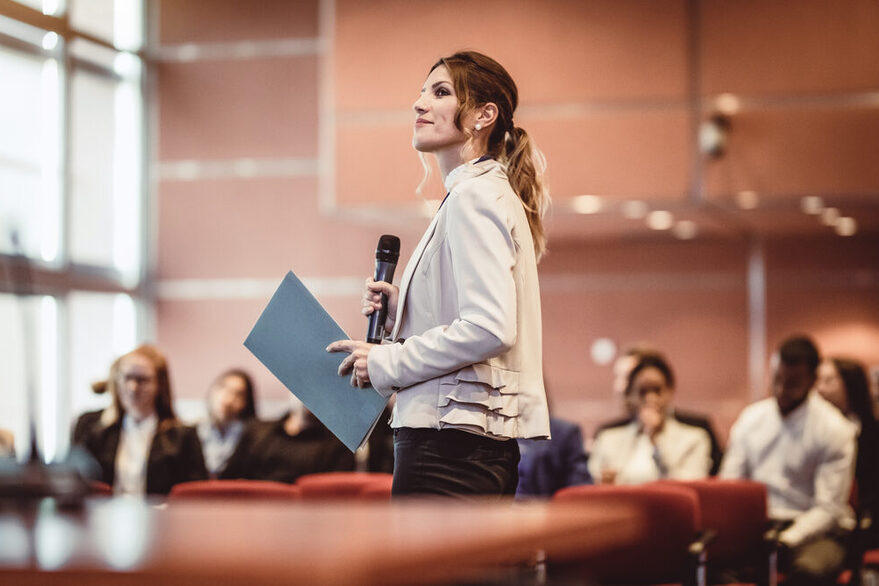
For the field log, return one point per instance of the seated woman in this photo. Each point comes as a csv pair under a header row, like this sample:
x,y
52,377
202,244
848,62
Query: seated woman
x,y
231,407
844,383
654,444
138,442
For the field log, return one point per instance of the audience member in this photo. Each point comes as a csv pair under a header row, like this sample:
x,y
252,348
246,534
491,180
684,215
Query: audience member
x,y
844,384
380,446
294,445
802,448
231,407
7,444
622,367
654,444
546,466
140,445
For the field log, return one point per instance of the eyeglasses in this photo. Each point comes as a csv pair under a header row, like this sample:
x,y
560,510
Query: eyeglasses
x,y
138,379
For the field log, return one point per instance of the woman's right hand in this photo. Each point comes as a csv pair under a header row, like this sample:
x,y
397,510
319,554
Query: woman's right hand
x,y
372,300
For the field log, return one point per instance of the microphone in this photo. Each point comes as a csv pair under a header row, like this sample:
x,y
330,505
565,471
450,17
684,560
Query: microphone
x,y
386,255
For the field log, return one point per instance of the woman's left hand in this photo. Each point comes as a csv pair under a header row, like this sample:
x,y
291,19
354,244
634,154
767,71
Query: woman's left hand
x,y
355,363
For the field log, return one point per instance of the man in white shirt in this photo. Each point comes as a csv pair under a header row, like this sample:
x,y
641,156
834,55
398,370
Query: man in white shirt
x,y
803,449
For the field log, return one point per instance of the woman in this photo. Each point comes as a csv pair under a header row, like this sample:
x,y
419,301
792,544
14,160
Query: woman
x,y
140,445
654,444
844,383
223,435
466,362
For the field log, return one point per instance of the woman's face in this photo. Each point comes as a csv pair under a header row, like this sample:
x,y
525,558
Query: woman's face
x,y
138,386
830,386
652,390
435,110
228,398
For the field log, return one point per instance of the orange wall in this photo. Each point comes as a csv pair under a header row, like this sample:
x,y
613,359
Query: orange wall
x,y
282,159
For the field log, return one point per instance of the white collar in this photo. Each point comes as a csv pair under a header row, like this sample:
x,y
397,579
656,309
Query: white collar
x,y
147,425
469,170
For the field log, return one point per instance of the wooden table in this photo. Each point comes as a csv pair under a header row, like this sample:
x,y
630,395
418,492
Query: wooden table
x,y
128,541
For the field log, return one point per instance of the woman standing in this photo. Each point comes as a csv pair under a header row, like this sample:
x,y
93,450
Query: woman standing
x,y
140,445
465,321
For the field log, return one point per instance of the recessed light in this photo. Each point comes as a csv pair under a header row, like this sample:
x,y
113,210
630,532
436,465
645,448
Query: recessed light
x,y
728,104
660,220
846,226
812,204
829,216
634,209
747,200
50,41
586,204
685,229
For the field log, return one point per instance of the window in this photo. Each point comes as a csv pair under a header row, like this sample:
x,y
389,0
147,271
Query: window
x,y
71,221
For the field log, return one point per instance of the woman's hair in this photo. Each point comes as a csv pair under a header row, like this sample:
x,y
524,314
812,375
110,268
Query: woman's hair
x,y
857,389
479,80
651,360
249,411
164,403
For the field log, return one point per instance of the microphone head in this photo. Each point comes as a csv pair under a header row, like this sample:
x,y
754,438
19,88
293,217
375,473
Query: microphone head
x,y
388,249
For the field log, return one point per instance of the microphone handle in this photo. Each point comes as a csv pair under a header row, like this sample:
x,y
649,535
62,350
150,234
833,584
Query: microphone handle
x,y
384,271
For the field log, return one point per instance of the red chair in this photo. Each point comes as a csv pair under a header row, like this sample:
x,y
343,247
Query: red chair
x,y
661,554
735,510
98,488
234,489
337,485
378,489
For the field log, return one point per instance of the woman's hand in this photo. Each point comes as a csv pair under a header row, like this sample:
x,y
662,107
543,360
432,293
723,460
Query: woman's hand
x,y
372,300
356,361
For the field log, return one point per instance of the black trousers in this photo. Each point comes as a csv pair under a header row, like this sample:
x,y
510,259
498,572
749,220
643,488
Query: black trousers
x,y
453,463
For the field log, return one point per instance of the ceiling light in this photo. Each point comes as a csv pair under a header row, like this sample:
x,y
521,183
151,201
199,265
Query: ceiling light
x,y
685,229
586,204
846,226
660,220
829,216
603,351
747,200
634,209
728,104
812,204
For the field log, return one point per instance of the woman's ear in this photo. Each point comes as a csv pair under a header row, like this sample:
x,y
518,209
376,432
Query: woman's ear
x,y
486,115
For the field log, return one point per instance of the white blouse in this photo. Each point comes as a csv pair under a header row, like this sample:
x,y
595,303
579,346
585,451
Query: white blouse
x,y
135,441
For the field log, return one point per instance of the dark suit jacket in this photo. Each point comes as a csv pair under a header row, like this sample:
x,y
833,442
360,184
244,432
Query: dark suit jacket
x,y
175,454
271,454
546,466
694,419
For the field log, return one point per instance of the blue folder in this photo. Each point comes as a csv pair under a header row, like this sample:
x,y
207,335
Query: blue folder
x,y
290,339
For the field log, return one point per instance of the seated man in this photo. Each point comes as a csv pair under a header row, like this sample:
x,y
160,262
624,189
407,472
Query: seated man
x,y
803,449
654,445
283,450
545,466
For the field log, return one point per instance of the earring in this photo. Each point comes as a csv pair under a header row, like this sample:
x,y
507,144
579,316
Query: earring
x,y
478,126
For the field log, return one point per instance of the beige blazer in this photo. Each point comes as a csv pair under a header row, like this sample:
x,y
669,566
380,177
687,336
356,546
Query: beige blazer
x,y
465,352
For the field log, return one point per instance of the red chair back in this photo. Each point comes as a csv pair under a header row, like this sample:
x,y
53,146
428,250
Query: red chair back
x,y
337,485
234,489
98,488
378,489
736,510
671,521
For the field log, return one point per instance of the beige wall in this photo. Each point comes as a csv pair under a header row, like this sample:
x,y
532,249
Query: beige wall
x,y
283,142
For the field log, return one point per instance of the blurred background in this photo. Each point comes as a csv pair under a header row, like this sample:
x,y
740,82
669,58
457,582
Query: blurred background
x,y
163,163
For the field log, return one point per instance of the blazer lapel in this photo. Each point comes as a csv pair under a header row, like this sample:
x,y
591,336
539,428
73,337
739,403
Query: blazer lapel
x,y
410,270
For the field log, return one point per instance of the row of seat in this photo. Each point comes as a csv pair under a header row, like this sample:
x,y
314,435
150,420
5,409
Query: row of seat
x,y
690,529
322,486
